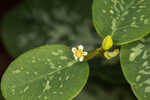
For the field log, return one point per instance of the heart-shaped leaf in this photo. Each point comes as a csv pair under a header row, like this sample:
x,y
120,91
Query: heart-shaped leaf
x,y
125,20
33,23
46,73
135,61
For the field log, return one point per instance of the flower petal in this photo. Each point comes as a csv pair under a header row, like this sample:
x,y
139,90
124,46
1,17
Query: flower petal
x,y
73,49
81,47
85,53
81,59
76,58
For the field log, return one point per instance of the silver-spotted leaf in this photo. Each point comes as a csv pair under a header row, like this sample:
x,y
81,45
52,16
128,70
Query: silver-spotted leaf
x,y
135,62
45,73
125,20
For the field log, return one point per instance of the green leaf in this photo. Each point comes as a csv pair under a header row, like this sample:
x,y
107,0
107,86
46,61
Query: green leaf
x,y
125,20
1,97
135,61
46,73
34,23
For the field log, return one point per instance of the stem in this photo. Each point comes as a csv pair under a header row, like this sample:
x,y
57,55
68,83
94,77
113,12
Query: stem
x,y
92,54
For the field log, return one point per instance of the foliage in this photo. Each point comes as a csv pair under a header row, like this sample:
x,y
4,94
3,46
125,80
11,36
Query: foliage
x,y
135,64
51,72
125,20
49,69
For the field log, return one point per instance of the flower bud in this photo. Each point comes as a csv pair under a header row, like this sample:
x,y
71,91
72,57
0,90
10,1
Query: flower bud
x,y
108,55
107,43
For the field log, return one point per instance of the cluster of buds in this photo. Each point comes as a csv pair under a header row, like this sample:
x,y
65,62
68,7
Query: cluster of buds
x,y
106,45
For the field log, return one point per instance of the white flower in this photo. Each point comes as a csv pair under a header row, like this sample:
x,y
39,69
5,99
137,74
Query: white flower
x,y
79,53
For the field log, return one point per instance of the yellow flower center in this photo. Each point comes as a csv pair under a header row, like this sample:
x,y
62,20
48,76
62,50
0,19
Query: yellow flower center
x,y
79,53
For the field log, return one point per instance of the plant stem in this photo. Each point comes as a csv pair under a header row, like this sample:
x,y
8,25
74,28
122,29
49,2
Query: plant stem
x,y
92,54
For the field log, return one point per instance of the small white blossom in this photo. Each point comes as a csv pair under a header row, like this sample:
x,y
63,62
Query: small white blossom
x,y
79,53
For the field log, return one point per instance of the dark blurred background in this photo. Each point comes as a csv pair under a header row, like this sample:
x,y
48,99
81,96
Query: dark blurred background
x,y
5,58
